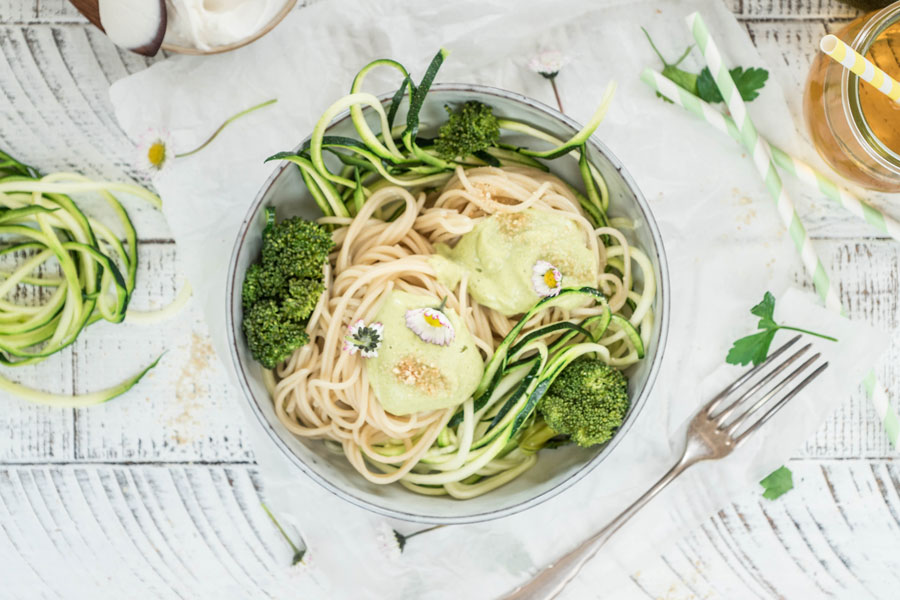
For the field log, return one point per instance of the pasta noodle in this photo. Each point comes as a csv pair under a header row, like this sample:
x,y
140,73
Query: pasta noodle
x,y
322,392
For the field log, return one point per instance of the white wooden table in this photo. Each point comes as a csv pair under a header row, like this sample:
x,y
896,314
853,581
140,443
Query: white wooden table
x,y
157,494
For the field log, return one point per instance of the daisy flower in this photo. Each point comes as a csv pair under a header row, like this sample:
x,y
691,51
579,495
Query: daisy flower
x,y
364,338
546,279
390,540
548,63
431,325
154,152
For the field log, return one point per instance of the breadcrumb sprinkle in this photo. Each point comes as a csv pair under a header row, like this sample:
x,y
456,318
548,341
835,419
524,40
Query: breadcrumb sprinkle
x,y
512,223
427,377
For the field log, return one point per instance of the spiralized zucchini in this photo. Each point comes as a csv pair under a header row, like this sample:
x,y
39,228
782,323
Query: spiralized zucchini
x,y
76,266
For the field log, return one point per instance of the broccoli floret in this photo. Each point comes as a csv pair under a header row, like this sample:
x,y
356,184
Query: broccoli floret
x,y
472,128
296,248
587,401
261,283
271,335
281,292
302,296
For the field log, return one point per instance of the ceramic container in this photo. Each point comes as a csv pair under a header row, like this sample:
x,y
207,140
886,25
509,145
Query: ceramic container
x,y
555,471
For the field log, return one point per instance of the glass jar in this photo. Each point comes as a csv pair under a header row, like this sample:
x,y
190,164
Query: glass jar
x,y
854,127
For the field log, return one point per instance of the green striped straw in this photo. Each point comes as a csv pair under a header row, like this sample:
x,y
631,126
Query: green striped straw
x,y
796,167
765,164
762,158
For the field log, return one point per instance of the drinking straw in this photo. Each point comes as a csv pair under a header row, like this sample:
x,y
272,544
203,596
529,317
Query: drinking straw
x,y
800,169
765,164
859,64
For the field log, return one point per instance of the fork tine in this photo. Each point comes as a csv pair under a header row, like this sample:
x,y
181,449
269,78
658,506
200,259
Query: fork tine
x,y
781,403
713,404
740,420
726,412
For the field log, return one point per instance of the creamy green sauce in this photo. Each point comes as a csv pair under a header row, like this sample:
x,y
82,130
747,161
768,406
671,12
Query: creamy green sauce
x,y
410,375
499,255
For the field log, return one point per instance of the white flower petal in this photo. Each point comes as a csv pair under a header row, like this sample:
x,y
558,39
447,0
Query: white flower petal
x,y
548,62
431,325
546,279
387,539
160,142
365,339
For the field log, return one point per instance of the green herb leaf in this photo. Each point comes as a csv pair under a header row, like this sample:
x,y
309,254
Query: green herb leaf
x,y
754,348
751,349
749,82
765,310
778,482
766,307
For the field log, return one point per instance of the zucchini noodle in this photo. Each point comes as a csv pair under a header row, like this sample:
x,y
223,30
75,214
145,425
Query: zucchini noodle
x,y
70,271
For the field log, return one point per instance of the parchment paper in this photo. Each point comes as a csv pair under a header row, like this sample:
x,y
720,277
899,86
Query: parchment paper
x,y
724,242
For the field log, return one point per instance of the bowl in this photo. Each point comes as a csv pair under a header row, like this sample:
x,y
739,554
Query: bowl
x,y
275,20
555,471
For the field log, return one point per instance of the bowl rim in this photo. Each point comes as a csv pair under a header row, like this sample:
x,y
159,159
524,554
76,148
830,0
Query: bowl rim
x,y
574,477
269,26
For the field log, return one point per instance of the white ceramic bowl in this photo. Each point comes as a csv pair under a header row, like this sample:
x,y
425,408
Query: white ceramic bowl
x,y
183,48
555,471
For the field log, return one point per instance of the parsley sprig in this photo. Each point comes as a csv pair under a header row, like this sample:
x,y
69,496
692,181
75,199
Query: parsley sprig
x,y
755,347
749,81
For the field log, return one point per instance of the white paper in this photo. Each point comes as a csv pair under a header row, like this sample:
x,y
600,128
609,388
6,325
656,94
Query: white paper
x,y
725,245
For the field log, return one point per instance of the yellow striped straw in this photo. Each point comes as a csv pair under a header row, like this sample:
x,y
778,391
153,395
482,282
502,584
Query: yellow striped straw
x,y
857,63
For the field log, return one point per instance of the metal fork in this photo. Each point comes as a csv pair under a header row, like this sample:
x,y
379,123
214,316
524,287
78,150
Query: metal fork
x,y
714,432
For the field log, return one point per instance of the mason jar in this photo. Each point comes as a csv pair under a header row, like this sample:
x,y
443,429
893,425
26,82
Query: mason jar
x,y
854,127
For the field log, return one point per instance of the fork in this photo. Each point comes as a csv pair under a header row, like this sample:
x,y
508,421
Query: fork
x,y
713,433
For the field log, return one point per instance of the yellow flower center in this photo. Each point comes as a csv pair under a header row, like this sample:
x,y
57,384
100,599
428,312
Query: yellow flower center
x,y
156,154
550,279
432,320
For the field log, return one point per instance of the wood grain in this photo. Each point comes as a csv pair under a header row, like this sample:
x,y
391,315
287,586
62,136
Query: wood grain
x,y
90,9
796,10
199,531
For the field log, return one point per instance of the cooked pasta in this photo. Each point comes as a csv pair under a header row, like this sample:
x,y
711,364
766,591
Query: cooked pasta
x,y
322,392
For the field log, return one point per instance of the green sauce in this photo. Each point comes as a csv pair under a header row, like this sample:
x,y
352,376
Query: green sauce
x,y
410,375
499,255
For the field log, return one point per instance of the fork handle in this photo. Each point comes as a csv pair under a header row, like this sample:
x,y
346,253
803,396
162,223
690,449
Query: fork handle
x,y
554,577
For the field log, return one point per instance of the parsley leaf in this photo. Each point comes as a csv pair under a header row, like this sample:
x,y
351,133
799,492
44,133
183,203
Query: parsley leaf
x,y
778,482
754,348
748,83
765,310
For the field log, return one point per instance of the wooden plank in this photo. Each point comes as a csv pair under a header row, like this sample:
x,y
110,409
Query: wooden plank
x,y
829,537
192,531
28,432
58,11
172,532
185,410
796,9
53,90
15,11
